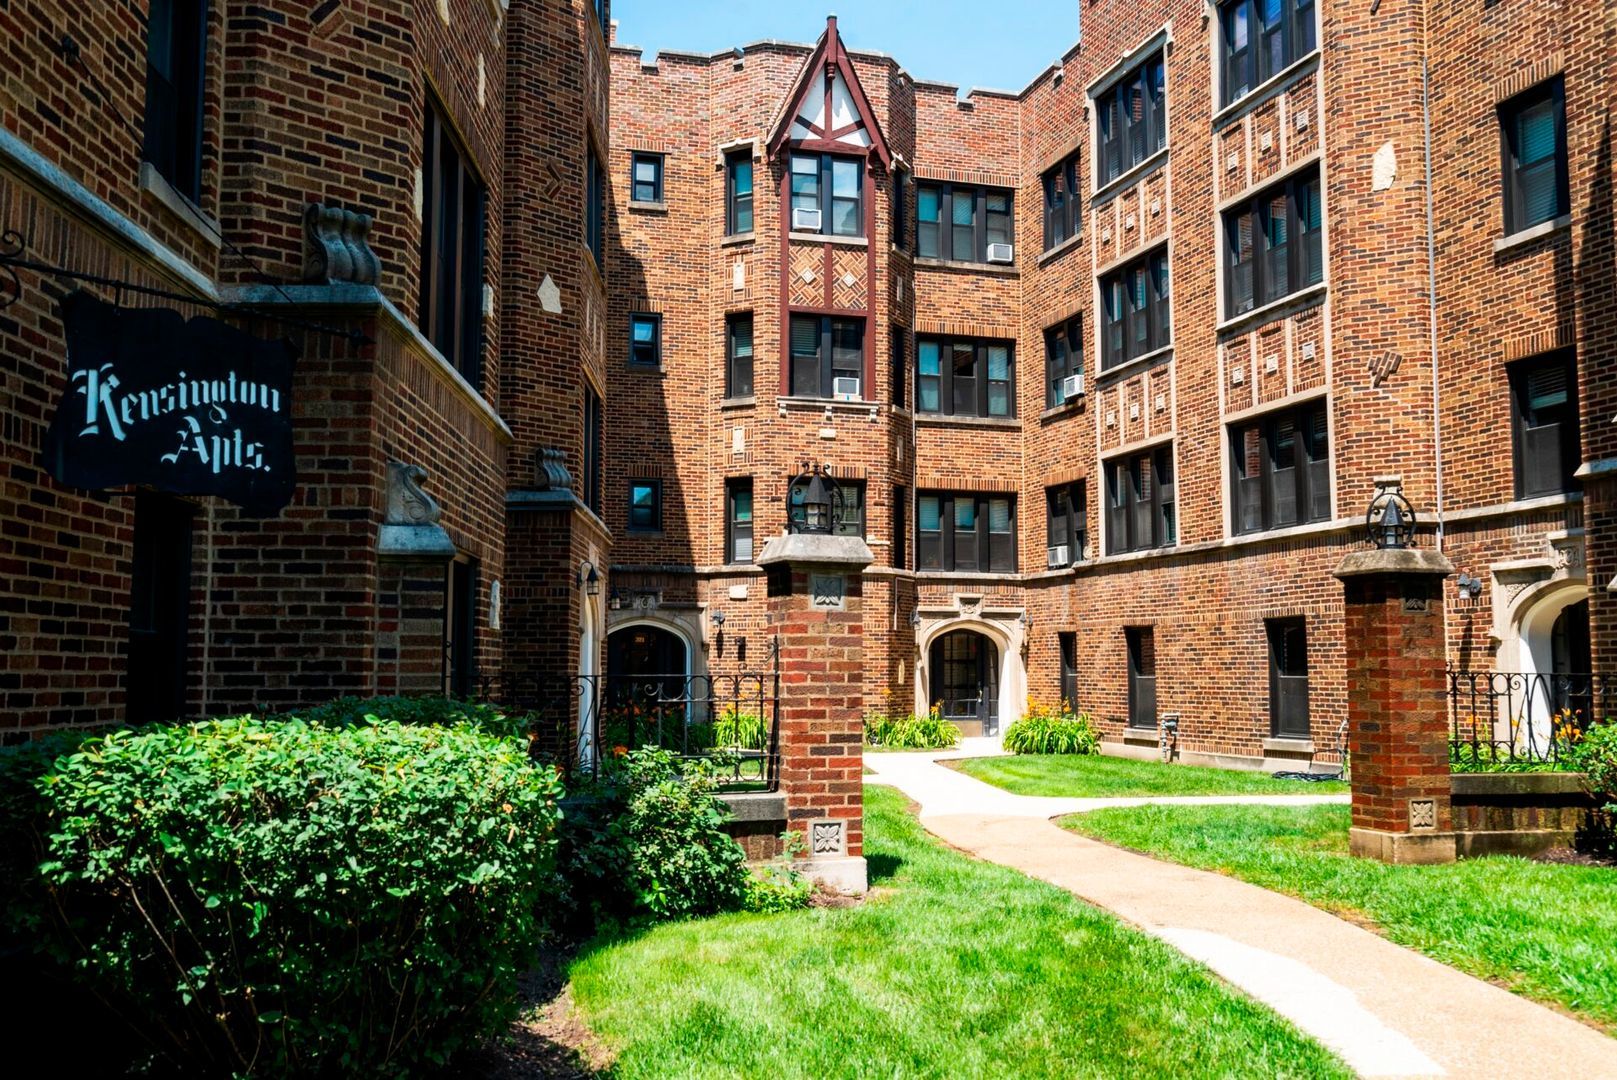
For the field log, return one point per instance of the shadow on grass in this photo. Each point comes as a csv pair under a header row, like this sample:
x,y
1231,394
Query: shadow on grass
x,y
881,866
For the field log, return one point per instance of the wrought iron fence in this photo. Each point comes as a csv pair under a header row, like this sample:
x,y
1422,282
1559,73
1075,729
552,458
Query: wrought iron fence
x,y
1515,716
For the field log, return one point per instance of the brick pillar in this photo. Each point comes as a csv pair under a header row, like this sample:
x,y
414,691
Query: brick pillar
x,y
816,608
1398,724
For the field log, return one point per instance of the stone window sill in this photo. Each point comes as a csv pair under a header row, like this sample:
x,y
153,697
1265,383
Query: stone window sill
x,y
157,185
1109,190
1061,249
738,402
1288,746
827,238
658,207
1073,407
1134,366
1000,269
1267,89
1274,309
1009,423
737,238
1535,232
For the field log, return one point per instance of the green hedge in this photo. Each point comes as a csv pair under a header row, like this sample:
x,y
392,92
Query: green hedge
x,y
349,711
275,897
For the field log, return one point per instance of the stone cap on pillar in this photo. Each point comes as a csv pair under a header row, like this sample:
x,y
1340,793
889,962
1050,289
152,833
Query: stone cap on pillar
x,y
819,549
1394,561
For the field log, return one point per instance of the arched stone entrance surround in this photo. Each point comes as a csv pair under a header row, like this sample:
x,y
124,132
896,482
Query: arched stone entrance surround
x,y
1529,596
1004,630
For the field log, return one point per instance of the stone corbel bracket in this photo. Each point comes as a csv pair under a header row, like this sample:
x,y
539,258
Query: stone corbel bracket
x,y
337,248
410,528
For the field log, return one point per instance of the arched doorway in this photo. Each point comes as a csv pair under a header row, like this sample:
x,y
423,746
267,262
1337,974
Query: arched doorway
x,y
964,680
1570,653
647,697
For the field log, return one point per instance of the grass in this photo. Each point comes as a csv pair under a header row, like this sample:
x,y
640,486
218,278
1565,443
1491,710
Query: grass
x,y
952,968
1543,930
1097,776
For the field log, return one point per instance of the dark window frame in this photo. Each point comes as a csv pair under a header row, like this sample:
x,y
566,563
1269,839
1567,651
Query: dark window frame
x,y
656,161
1552,93
1141,505
1244,69
1063,356
1123,320
646,355
653,521
1278,496
900,209
898,347
1123,142
1062,219
901,510
593,477
941,550
825,198
1288,690
603,19
1300,264
946,381
1141,644
735,201
595,209
825,355
739,371
1536,431
1066,513
735,528
1067,648
453,267
176,89
944,238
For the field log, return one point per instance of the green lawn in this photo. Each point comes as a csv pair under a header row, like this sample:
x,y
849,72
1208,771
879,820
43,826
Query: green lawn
x,y
1097,776
954,968
1548,932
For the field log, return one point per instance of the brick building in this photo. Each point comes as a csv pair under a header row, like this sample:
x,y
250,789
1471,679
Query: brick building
x,y
1109,366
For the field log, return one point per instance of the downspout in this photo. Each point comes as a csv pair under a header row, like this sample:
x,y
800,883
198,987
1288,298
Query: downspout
x,y
1431,275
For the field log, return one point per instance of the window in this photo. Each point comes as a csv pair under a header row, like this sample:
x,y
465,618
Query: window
x,y
595,208
645,505
1140,502
964,377
1280,469
1067,524
1272,245
176,44
827,195
1063,356
1142,648
827,356
1068,643
601,18
900,208
460,630
646,177
1261,38
738,354
738,518
901,532
1288,678
451,312
645,340
1131,120
965,532
594,415
1061,220
1135,310
1533,126
738,192
1544,415
957,223
847,507
900,365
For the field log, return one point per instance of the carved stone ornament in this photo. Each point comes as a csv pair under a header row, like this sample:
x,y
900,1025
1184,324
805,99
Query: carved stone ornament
x,y
551,470
337,248
827,838
407,504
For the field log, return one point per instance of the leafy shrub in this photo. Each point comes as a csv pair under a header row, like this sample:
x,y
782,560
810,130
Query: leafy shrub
x,y
647,842
929,732
778,887
351,711
1043,730
1595,755
285,898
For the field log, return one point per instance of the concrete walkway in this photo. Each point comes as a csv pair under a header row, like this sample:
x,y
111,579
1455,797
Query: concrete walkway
x,y
1386,1010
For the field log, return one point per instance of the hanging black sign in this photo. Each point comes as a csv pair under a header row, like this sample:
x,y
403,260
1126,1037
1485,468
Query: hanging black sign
x,y
194,407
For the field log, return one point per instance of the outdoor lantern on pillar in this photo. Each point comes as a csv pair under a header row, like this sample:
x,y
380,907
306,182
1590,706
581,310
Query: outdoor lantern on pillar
x,y
1390,521
813,501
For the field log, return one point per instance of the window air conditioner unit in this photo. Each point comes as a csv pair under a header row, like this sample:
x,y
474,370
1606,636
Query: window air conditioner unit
x,y
1058,556
805,220
845,389
1072,386
1001,253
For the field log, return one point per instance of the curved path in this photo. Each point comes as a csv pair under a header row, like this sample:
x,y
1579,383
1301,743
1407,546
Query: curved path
x,y
1386,1010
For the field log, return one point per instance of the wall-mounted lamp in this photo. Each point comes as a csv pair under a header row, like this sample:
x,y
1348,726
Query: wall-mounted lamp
x,y
915,619
589,579
615,600
1470,587
718,618
1390,521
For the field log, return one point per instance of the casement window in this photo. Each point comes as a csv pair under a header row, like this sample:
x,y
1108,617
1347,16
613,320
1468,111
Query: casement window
x,y
1533,132
460,630
645,505
899,347
1280,470
594,417
956,223
827,357
1142,650
1140,502
827,195
1068,643
646,177
1544,419
1067,529
847,507
1258,39
176,47
738,520
1131,120
159,608
901,222
1135,310
645,340
1272,245
1063,357
964,377
958,531
1061,218
738,355
452,249
738,192
901,533
1288,678
594,209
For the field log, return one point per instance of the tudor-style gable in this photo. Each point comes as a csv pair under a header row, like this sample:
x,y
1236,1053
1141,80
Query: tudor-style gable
x,y
828,110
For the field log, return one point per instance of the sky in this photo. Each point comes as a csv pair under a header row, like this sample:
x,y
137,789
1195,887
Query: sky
x,y
944,40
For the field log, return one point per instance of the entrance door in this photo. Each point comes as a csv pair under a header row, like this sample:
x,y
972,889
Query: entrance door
x,y
965,680
159,608
646,695
1571,661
